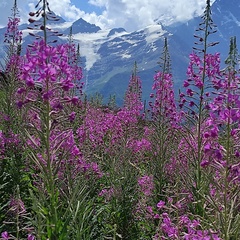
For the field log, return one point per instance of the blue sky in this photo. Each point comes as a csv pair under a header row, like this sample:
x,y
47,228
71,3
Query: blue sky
x,y
130,14
86,6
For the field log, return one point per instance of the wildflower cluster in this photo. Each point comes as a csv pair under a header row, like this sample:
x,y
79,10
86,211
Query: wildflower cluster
x,y
13,36
164,105
71,168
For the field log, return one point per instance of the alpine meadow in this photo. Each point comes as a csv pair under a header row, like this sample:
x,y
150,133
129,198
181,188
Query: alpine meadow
x,y
73,167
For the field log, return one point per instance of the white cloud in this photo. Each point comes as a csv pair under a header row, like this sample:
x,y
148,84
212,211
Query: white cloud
x,y
130,14
99,3
63,8
134,14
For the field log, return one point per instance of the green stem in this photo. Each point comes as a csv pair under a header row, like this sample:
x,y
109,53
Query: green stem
x,y
45,20
228,154
200,114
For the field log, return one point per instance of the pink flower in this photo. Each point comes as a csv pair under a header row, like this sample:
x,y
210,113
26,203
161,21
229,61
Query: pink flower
x,y
74,100
160,204
5,235
186,84
72,116
214,132
204,163
207,147
146,184
30,237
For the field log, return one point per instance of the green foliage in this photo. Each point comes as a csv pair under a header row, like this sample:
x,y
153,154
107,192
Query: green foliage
x,y
115,214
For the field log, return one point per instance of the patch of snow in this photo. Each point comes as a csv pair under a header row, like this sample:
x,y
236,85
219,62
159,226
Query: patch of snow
x,y
117,34
123,39
90,44
166,19
125,55
128,40
153,33
154,48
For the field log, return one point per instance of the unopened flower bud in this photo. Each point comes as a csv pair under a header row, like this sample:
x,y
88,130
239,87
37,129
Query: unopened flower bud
x,y
31,20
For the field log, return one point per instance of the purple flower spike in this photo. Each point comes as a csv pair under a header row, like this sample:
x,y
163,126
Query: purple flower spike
x,y
5,235
160,204
30,237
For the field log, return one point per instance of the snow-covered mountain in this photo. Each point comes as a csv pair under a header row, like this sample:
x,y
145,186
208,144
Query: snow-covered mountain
x,y
107,56
81,26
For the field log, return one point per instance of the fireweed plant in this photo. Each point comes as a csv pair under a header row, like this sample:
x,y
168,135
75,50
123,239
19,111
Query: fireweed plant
x,y
221,147
13,178
160,133
75,169
203,67
164,119
45,108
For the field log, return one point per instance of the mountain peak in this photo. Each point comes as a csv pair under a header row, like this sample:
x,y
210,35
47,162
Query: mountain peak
x,y
115,30
82,26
